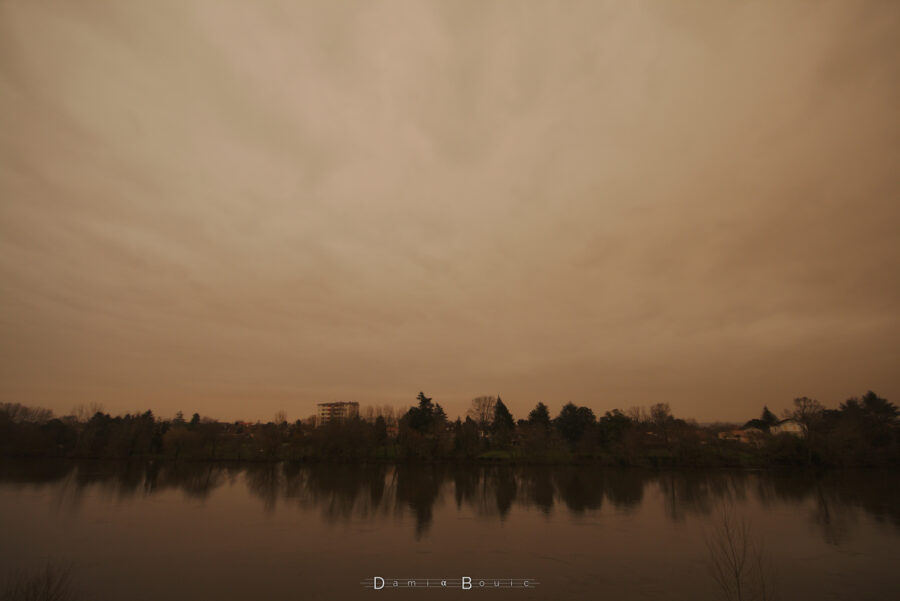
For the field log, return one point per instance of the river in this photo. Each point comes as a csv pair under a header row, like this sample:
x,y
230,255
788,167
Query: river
x,y
281,531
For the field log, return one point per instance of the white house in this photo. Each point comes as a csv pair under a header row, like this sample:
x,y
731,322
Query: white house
x,y
787,426
745,435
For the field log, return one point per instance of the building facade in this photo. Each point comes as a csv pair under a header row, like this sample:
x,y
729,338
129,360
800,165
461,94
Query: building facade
x,y
339,411
752,436
787,426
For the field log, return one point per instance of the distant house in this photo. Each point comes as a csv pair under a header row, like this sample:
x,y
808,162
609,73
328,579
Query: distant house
x,y
787,426
340,411
752,436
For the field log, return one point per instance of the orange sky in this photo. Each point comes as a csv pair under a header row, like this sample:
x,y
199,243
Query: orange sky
x,y
240,207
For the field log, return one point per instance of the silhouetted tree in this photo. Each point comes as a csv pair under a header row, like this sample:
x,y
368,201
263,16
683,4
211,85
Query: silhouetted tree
x,y
503,425
49,583
737,560
764,422
482,412
539,416
808,413
423,430
439,416
661,418
467,441
572,422
612,426
421,418
864,431
380,431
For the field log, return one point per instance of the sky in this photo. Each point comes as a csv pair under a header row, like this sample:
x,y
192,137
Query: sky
x,y
236,208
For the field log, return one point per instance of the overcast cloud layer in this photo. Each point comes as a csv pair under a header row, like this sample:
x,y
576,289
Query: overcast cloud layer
x,y
240,207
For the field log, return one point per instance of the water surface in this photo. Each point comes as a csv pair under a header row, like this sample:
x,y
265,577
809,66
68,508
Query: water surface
x,y
214,531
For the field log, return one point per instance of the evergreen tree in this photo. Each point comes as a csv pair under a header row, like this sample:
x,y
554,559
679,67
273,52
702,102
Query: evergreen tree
x,y
539,416
424,417
503,426
438,416
424,402
503,419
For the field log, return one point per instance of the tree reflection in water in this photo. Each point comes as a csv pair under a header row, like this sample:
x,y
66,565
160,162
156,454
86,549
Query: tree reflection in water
x,y
341,492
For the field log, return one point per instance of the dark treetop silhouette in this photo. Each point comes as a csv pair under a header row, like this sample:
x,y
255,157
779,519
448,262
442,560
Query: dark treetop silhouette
x,y
862,431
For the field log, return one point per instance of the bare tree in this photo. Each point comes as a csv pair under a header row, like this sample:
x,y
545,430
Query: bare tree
x,y
482,411
83,412
737,560
50,583
387,412
660,416
18,413
637,414
807,412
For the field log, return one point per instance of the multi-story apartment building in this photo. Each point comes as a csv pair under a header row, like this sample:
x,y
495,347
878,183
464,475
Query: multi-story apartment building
x,y
336,411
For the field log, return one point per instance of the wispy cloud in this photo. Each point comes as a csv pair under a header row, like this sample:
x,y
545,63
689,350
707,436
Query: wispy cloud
x,y
236,207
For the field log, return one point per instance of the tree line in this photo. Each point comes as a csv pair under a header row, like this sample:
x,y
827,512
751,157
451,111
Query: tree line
x,y
863,431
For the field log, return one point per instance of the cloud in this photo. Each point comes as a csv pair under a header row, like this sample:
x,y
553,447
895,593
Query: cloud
x,y
237,208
